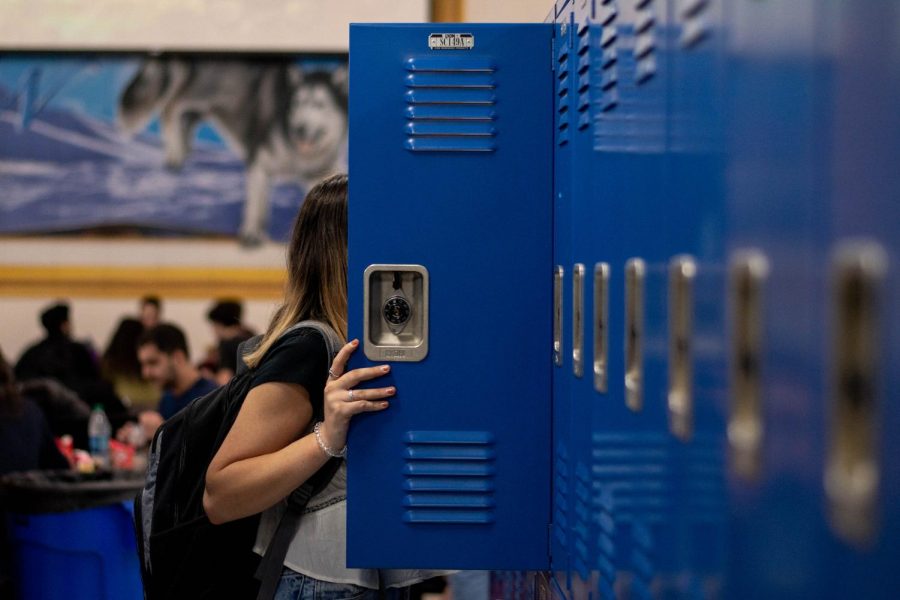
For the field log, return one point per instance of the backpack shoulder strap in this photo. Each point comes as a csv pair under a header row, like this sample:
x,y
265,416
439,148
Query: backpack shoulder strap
x,y
332,340
271,565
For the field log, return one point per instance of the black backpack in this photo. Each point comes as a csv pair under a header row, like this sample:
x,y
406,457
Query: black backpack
x,y
182,554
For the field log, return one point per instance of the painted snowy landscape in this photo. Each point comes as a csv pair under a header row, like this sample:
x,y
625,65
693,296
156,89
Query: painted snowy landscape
x,y
65,165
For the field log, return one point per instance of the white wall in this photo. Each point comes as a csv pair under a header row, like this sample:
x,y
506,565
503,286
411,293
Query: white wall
x,y
507,11
95,318
312,25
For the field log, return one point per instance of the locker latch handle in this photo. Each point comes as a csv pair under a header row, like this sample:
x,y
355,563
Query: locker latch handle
x,y
748,272
601,326
558,274
635,273
682,272
852,471
578,320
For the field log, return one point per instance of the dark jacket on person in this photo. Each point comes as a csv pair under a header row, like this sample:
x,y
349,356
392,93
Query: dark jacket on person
x,y
61,358
66,413
25,444
71,364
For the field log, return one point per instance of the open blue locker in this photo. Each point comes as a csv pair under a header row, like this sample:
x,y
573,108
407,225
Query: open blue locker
x,y
450,255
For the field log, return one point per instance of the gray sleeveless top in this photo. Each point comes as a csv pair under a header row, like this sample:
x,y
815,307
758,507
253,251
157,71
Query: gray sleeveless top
x,y
319,549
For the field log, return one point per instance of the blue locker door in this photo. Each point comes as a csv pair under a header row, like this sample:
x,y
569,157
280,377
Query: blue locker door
x,y
864,526
577,371
563,530
622,224
694,213
778,102
451,172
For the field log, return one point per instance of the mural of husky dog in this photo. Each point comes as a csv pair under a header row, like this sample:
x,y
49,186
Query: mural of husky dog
x,y
283,122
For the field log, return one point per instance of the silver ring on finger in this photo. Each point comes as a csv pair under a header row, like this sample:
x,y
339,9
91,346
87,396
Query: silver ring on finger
x,y
350,392
331,374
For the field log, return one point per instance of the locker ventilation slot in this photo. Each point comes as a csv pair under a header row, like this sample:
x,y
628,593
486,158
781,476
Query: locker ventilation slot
x,y
694,26
583,519
450,104
605,59
562,88
449,477
561,495
583,74
632,483
645,41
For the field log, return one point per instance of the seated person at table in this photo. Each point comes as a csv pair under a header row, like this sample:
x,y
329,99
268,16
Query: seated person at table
x,y
25,444
165,362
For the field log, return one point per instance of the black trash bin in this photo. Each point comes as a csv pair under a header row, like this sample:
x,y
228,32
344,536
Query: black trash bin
x,y
72,534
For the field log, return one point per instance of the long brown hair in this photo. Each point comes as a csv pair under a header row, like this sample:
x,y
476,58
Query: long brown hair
x,y
317,266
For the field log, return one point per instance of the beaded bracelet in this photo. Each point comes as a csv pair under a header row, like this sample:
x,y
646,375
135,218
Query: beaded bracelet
x,y
326,449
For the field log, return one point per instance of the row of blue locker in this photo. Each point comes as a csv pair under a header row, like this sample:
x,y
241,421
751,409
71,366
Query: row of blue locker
x,y
736,180
635,270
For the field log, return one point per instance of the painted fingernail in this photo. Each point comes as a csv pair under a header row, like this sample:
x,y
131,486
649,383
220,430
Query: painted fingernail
x,y
384,405
386,368
392,390
355,342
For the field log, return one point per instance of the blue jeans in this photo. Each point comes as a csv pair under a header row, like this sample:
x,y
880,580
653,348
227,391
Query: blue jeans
x,y
296,586
471,585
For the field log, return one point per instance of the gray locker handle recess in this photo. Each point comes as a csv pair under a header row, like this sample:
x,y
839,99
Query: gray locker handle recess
x,y
749,270
601,326
558,274
852,473
635,274
680,399
395,319
578,320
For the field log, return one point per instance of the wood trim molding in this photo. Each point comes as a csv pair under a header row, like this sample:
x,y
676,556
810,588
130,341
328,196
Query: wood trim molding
x,y
131,282
448,11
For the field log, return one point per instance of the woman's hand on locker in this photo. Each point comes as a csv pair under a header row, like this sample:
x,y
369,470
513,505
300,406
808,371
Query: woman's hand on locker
x,y
343,401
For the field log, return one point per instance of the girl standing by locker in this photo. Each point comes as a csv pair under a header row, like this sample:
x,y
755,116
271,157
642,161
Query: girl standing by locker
x,y
275,444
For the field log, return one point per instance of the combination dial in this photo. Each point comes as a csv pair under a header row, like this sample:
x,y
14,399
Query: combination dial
x,y
396,311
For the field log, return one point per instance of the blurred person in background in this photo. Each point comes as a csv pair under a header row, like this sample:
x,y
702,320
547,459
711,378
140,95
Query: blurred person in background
x,y
121,367
57,355
69,363
150,311
166,363
65,412
25,444
25,439
209,368
225,319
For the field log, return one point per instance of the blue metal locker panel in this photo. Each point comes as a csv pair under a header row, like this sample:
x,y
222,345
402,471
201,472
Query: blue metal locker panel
x,y
603,224
778,134
578,370
632,467
695,231
864,531
563,529
456,474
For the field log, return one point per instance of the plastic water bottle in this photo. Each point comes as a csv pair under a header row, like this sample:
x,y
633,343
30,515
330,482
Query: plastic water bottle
x,y
99,431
